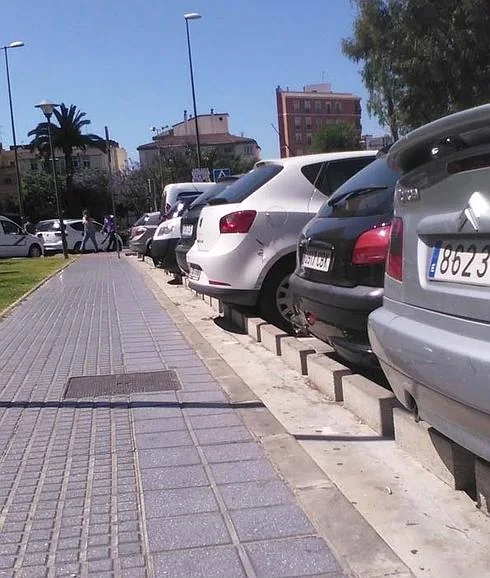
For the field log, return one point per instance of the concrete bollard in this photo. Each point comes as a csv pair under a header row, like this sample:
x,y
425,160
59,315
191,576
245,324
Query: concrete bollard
x,y
447,460
371,402
254,325
326,375
296,350
482,475
271,338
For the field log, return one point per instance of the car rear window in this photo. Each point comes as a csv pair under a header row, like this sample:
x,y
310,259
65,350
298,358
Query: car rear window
x,y
153,219
179,207
330,175
77,225
203,198
141,220
249,183
46,226
375,202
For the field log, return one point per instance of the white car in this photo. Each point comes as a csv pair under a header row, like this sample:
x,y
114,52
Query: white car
x,y
245,249
49,231
16,242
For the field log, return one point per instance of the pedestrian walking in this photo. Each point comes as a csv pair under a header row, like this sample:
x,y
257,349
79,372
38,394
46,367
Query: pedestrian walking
x,y
110,230
88,232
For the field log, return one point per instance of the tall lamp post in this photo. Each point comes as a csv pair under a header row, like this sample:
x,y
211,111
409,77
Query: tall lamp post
x,y
17,44
193,16
47,109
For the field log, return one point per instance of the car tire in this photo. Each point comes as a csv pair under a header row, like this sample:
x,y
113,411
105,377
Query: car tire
x,y
274,299
148,249
35,251
77,246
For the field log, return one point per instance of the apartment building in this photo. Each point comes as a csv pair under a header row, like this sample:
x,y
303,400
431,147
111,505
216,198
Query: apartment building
x,y
301,114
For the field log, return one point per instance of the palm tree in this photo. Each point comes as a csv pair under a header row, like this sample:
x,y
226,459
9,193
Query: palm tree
x,y
67,135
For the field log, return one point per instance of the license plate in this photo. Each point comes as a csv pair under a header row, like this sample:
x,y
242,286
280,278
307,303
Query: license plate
x,y
187,230
194,273
465,261
318,260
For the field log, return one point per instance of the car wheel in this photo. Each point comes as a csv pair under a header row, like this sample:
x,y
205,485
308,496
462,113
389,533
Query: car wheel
x,y
275,298
77,246
35,251
148,250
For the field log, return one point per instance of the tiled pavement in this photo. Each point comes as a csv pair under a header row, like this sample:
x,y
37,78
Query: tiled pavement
x,y
149,485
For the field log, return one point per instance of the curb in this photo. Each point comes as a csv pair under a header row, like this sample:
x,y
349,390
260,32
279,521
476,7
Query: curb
x,y
18,301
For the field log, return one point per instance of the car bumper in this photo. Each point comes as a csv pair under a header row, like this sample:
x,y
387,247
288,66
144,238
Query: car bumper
x,y
443,364
163,251
242,297
337,315
181,257
138,246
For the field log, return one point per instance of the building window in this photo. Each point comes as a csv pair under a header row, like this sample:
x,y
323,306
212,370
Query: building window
x,y
318,105
296,105
247,149
309,138
228,150
297,122
308,122
7,181
298,138
75,164
33,166
12,163
328,107
319,123
86,164
338,107
307,106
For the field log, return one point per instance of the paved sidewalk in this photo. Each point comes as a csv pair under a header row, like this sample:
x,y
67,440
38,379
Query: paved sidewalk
x,y
161,484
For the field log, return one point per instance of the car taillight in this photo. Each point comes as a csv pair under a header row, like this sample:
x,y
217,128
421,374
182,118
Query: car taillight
x,y
139,230
239,222
394,265
372,246
168,206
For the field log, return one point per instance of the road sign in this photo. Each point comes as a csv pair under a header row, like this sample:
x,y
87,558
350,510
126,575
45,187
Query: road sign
x,y
200,175
218,173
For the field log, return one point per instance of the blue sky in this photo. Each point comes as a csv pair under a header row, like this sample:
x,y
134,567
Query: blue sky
x,y
125,62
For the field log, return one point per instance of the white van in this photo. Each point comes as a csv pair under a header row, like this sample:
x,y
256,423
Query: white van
x,y
174,191
16,242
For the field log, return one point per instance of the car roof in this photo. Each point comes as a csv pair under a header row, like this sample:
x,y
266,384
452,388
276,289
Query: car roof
x,y
299,161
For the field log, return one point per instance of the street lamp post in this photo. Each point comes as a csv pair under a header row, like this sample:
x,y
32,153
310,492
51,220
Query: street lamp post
x,y
193,16
47,108
16,44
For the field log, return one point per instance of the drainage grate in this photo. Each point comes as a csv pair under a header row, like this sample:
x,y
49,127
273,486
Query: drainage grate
x,y
122,384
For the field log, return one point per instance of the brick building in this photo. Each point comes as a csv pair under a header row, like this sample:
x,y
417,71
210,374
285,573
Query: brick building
x,y
302,114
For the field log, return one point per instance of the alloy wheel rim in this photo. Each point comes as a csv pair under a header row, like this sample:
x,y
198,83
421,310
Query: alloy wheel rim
x,y
284,299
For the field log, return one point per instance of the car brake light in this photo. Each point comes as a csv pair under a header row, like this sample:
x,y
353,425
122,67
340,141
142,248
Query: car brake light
x,y
394,265
139,230
372,246
168,206
239,222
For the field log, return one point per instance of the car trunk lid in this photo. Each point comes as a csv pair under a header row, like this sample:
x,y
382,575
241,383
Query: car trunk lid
x,y
443,200
208,225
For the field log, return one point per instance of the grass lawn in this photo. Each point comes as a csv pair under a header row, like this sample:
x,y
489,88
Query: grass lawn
x,y
17,276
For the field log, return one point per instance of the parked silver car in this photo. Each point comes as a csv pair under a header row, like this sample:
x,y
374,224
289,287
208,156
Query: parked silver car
x,y
142,233
432,333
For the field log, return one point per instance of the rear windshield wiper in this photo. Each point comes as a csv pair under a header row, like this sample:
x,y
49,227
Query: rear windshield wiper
x,y
355,193
217,201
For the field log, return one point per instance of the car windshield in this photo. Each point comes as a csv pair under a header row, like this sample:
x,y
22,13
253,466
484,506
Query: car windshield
x,y
141,221
248,184
368,192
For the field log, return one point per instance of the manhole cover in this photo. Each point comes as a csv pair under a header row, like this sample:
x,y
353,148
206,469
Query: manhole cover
x,y
121,384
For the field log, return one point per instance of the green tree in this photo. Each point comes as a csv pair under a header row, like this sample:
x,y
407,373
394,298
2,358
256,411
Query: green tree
x,y
39,197
67,135
421,59
335,138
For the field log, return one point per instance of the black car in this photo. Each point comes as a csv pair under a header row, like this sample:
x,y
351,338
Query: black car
x,y
341,257
190,219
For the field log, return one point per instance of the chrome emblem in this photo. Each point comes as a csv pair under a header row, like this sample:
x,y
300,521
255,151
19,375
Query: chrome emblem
x,y
476,207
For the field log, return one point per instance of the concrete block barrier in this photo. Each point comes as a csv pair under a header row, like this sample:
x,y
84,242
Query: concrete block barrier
x,y
271,338
482,476
447,460
370,402
326,375
295,351
254,325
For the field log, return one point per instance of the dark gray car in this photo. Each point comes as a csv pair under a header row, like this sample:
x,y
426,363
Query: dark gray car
x,y
432,333
142,233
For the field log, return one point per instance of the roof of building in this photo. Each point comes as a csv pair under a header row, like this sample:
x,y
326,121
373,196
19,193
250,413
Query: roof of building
x,y
316,94
205,140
